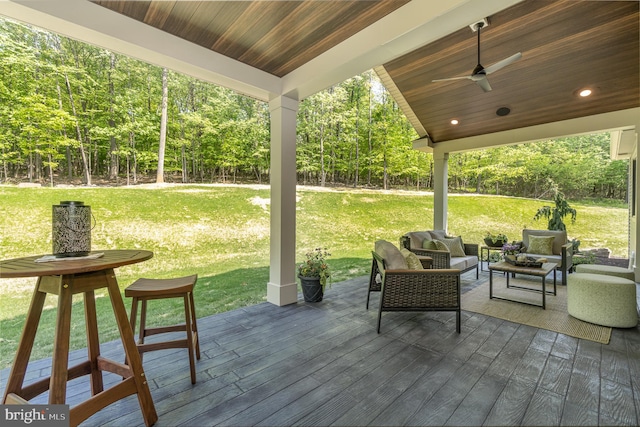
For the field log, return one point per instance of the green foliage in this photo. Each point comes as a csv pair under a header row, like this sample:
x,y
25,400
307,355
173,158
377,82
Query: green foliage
x,y
69,108
555,216
315,265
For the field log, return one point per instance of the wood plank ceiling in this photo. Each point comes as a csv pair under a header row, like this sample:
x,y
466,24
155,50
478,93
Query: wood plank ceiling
x,y
566,45
273,36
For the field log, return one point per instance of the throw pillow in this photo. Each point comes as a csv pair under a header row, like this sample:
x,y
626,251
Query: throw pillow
x,y
440,246
429,244
412,259
540,245
393,259
455,246
418,237
437,234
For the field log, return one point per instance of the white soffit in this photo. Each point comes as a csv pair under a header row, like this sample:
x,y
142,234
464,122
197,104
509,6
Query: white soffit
x,y
623,143
623,120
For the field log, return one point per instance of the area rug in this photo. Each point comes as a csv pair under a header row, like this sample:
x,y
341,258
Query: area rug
x,y
554,318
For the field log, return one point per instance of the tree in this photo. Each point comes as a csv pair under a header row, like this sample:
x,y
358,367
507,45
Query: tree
x,y
556,215
163,127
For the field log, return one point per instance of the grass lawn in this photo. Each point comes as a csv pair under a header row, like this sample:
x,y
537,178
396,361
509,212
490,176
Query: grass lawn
x,y
222,234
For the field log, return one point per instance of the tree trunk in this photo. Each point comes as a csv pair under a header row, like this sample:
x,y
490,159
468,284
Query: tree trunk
x,y
113,150
163,127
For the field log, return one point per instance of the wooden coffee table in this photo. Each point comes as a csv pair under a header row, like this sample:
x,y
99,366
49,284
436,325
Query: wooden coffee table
x,y
510,269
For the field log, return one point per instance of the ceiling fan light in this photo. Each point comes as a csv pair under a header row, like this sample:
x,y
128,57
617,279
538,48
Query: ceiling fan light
x,y
454,122
585,92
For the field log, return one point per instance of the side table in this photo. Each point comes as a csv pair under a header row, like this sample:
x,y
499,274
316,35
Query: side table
x,y
66,278
488,250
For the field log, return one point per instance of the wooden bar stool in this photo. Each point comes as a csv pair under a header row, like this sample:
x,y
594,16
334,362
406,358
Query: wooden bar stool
x,y
143,290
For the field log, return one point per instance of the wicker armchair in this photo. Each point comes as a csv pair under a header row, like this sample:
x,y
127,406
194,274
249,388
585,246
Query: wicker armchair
x,y
416,290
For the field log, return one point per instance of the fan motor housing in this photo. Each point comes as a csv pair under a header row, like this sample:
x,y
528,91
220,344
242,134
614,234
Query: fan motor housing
x,y
484,23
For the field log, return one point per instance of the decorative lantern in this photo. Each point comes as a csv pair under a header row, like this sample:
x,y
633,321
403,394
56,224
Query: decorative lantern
x,y
71,227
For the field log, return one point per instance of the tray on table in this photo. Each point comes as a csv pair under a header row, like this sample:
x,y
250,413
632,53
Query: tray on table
x,y
529,262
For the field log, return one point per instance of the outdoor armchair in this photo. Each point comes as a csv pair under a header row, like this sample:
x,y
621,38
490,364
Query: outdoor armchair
x,y
416,290
552,245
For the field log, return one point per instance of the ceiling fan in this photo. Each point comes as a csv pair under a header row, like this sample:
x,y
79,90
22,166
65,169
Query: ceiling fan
x,y
479,74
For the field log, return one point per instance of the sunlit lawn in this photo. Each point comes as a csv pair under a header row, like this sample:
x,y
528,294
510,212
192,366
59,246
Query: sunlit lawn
x,y
222,234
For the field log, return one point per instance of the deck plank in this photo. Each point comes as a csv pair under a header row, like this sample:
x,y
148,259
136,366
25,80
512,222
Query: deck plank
x,y
325,364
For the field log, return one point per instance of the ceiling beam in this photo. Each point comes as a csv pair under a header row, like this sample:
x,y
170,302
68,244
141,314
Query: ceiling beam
x,y
599,123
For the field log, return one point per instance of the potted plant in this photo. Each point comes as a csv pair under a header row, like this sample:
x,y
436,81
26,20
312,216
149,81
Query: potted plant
x,y
495,240
314,273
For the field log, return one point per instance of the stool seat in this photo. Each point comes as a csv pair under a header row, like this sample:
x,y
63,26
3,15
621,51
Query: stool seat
x,y
603,300
161,287
143,290
608,270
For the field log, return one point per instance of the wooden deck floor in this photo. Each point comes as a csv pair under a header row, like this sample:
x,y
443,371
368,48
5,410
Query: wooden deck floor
x,y
324,364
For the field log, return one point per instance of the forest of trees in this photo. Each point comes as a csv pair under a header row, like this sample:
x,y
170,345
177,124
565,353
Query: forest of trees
x,y
72,112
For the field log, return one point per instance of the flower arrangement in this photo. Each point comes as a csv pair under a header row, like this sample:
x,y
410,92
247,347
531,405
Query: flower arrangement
x,y
510,249
316,265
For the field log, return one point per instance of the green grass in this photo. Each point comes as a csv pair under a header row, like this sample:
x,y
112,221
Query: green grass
x,y
222,234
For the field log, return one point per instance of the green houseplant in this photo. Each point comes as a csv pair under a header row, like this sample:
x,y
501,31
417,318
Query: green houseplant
x,y
495,240
314,273
555,215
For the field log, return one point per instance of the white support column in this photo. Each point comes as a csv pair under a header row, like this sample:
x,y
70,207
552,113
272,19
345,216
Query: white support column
x,y
282,288
634,225
440,189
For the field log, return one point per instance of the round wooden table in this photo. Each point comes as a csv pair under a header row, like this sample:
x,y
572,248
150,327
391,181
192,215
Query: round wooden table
x,y
65,278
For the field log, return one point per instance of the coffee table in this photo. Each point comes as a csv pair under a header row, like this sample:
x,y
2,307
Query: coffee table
x,y
511,269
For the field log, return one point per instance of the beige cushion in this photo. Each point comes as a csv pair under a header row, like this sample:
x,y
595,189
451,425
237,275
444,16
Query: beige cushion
x,y
440,246
540,245
418,238
392,257
437,234
560,238
429,244
413,262
455,246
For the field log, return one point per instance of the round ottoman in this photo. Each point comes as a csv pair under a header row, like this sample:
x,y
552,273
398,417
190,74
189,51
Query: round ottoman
x,y
609,270
603,300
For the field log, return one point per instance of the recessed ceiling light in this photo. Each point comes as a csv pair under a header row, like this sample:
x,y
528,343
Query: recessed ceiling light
x,y
585,92
454,122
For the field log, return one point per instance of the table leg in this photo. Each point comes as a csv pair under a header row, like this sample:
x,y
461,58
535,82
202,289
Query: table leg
x,y
490,284
21,360
60,360
131,351
93,341
544,292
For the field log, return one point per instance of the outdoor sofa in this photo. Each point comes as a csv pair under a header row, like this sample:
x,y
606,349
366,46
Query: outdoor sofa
x,y
446,251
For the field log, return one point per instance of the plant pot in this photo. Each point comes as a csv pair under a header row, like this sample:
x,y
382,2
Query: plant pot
x,y
311,289
492,244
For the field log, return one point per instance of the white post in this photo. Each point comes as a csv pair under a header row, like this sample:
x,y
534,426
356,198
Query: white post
x,y
282,288
440,189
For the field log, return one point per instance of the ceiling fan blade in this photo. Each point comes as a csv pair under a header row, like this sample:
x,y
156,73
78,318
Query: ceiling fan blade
x,y
501,64
484,84
452,78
